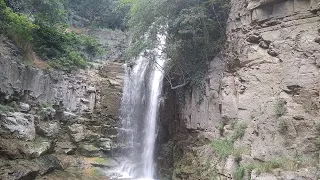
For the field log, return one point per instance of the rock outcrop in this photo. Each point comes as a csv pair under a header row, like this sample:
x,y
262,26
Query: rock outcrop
x,y
261,99
53,121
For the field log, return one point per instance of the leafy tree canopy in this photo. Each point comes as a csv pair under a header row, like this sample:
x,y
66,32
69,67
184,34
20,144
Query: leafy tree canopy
x,y
195,32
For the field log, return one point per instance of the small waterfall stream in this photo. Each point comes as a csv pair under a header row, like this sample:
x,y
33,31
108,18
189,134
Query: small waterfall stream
x,y
139,111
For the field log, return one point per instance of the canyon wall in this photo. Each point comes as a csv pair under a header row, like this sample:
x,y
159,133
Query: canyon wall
x,y
262,95
52,120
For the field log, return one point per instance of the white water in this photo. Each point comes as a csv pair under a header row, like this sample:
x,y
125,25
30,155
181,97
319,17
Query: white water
x,y
155,89
139,111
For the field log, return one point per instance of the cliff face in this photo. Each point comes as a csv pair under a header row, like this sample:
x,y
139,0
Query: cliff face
x,y
52,120
265,84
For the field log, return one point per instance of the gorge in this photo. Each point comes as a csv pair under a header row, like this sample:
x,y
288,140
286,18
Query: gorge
x,y
251,113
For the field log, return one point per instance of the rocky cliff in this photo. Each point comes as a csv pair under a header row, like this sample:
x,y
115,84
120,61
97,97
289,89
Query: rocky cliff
x,y
52,120
259,117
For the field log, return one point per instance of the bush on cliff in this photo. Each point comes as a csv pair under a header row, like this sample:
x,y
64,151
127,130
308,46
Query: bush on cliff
x,y
47,35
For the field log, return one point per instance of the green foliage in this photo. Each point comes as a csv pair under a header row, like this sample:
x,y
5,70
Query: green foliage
x,y
64,50
48,35
16,26
195,32
100,13
239,130
72,61
287,164
224,148
49,11
238,174
280,108
220,126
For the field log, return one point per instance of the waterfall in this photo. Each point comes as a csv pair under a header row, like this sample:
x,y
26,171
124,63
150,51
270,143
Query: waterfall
x,y
139,111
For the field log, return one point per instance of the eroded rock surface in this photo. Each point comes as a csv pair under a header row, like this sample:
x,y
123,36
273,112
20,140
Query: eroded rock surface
x,y
266,78
48,114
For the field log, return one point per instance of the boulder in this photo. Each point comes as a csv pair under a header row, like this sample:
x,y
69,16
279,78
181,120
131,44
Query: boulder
x,y
89,150
18,170
102,162
21,125
47,113
69,117
77,132
104,144
24,107
48,164
36,149
48,129
66,148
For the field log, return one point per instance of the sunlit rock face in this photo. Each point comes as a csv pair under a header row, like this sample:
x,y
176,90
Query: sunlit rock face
x,y
267,77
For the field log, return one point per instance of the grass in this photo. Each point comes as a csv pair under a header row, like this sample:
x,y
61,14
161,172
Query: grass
x,y
239,173
267,166
239,131
224,148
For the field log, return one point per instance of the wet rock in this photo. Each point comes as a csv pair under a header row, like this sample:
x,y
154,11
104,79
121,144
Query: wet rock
x,y
105,144
24,107
89,150
21,125
66,148
102,162
48,164
48,129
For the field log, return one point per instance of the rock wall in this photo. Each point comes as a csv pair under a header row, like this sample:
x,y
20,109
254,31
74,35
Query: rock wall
x,y
262,94
54,121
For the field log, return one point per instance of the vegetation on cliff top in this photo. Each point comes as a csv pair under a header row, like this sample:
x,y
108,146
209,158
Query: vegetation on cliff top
x,y
45,31
195,33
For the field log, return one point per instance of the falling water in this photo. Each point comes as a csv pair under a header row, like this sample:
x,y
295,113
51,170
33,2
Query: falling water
x,y
139,110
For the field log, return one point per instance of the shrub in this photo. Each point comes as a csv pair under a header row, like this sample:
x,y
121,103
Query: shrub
x,y
238,174
223,147
64,50
47,36
17,26
239,130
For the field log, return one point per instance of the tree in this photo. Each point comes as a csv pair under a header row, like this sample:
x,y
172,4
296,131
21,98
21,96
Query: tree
x,y
195,33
